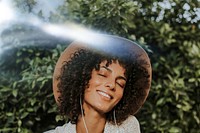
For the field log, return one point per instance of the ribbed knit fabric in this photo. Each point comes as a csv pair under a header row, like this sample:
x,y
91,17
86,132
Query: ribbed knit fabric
x,y
130,125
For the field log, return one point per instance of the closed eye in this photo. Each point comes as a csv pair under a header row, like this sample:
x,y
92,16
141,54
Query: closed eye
x,y
121,85
103,75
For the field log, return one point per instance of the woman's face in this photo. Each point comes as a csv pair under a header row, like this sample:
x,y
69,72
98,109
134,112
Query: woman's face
x,y
106,87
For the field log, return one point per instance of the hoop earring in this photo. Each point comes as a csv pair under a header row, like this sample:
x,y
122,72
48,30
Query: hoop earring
x,y
115,121
83,115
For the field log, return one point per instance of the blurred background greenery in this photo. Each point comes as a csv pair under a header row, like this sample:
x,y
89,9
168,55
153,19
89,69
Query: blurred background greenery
x,y
169,30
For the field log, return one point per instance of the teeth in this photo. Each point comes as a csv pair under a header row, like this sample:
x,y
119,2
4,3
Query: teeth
x,y
104,94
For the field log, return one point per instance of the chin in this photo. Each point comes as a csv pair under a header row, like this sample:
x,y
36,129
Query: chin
x,y
103,110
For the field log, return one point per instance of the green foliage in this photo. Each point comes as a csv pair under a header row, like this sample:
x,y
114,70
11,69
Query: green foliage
x,y
112,16
26,97
172,41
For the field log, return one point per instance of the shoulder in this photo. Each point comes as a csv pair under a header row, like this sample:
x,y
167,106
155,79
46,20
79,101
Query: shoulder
x,y
68,127
130,125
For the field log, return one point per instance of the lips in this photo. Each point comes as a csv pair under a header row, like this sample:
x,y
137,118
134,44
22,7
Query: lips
x,y
104,94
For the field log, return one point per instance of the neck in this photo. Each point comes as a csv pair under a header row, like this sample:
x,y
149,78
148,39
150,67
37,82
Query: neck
x,y
94,120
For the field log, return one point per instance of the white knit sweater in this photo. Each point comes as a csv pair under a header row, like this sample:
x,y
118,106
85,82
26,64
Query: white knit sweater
x,y
130,125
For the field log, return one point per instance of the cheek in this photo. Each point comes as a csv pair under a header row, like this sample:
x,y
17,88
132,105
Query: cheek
x,y
93,84
120,94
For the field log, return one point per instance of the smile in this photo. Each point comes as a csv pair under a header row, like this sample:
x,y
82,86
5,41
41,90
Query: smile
x,y
104,94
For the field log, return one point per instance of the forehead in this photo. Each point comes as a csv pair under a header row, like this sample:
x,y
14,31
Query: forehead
x,y
110,62
114,65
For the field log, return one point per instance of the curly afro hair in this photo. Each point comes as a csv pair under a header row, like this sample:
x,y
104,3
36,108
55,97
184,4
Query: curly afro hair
x,y
75,76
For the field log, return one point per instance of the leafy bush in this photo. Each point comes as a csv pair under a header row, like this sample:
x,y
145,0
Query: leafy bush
x,y
27,99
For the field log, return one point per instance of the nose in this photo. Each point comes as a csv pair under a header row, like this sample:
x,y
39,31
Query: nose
x,y
110,85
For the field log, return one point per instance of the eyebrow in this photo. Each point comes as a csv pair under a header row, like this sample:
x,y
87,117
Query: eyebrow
x,y
119,77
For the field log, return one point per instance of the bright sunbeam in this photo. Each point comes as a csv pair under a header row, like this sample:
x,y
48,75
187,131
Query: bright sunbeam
x,y
6,15
6,12
71,31
11,15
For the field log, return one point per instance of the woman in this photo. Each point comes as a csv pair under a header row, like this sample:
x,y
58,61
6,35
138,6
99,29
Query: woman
x,y
100,84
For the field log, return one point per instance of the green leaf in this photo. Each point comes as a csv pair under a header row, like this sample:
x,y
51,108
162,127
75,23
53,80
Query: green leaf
x,y
9,114
160,102
23,115
19,123
59,118
5,89
191,80
174,130
15,92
